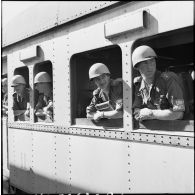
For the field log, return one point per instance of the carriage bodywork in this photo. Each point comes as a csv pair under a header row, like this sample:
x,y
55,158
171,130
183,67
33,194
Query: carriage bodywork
x,y
69,157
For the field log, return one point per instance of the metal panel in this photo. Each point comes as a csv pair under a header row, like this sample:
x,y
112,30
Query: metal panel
x,y
55,13
178,139
20,146
43,162
128,22
25,26
61,83
4,134
30,52
101,166
160,169
62,164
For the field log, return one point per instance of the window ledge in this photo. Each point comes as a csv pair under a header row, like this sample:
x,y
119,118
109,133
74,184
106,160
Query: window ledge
x,y
102,124
176,125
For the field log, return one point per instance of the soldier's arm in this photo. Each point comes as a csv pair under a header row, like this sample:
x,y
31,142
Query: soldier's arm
x,y
167,114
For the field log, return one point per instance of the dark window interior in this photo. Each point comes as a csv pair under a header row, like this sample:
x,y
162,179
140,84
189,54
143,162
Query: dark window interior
x,y
82,88
45,66
176,51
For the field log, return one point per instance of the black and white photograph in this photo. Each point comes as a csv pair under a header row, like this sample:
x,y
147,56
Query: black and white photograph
x,y
97,97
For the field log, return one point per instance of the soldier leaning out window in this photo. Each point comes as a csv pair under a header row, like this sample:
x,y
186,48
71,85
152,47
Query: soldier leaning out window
x,y
44,105
157,95
21,105
107,101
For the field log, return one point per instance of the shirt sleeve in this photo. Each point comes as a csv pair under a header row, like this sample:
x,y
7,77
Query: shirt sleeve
x,y
175,93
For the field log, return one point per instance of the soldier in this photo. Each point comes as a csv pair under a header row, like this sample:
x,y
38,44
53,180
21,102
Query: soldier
x,y
4,101
107,101
21,105
157,95
44,106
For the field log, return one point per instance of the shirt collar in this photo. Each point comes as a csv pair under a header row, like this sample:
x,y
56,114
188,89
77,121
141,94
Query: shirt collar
x,y
143,83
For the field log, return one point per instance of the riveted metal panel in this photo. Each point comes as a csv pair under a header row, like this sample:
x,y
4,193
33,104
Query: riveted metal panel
x,y
160,169
72,10
4,134
20,146
101,166
62,163
178,139
49,14
92,34
43,162
62,83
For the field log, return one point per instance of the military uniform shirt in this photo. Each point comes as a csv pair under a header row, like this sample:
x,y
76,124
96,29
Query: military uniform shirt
x,y
20,103
115,96
166,84
43,101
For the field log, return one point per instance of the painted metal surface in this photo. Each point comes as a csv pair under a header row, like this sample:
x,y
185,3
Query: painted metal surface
x,y
98,165
28,53
61,155
171,169
4,145
178,139
20,156
123,24
49,14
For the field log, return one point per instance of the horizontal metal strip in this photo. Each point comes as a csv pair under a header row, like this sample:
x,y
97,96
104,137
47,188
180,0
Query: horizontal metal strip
x,y
172,140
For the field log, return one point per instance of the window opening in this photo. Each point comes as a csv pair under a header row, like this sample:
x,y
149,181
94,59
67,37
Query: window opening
x,y
82,88
176,54
43,92
21,102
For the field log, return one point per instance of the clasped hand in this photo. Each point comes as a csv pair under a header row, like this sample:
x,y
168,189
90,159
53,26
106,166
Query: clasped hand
x,y
143,114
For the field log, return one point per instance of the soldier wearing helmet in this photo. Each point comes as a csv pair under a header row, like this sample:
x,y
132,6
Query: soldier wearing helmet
x,y
107,101
4,93
157,95
21,105
44,105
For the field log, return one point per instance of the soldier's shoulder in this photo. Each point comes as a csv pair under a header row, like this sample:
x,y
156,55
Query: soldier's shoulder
x,y
116,82
168,75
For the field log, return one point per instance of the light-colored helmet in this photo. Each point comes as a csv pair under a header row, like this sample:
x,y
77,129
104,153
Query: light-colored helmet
x,y
98,69
42,77
142,53
4,81
17,80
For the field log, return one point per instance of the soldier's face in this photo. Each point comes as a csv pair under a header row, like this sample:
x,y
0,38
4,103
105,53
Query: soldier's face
x,y
147,68
40,87
19,88
102,81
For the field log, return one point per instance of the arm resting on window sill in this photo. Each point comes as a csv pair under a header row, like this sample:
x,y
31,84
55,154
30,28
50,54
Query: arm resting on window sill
x,y
167,114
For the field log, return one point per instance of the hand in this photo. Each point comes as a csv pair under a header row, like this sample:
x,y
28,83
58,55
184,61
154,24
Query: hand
x,y
97,116
27,113
90,115
40,112
144,114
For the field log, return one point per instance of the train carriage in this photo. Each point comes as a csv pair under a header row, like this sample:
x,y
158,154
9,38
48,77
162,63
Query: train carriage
x,y
73,154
